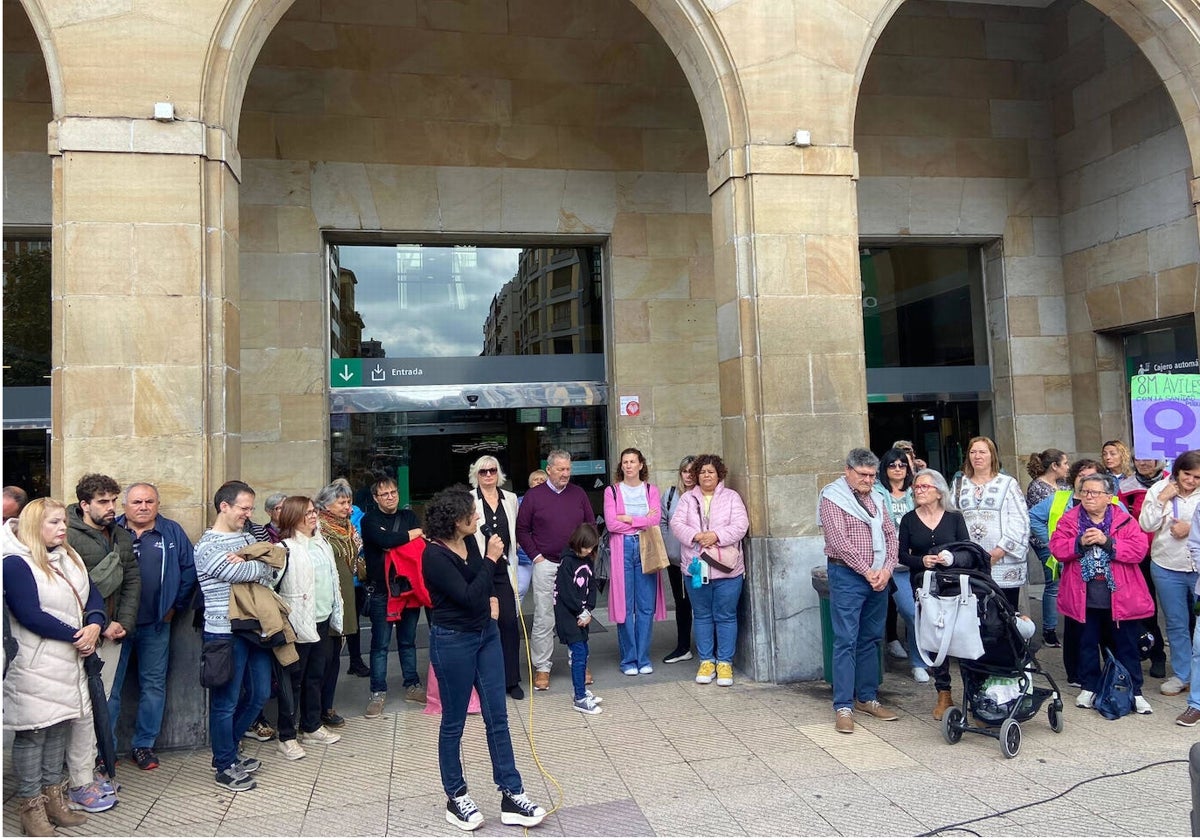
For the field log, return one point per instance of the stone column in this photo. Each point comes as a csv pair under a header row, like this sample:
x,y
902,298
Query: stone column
x,y
146,337
793,376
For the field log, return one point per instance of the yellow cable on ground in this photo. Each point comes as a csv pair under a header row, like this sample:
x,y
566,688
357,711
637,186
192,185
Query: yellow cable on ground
x,y
529,730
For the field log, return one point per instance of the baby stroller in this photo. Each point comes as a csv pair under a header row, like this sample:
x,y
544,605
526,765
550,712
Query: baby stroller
x,y
998,687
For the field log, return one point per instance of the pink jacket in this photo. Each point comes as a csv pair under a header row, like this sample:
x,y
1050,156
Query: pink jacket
x,y
1131,600
726,517
614,506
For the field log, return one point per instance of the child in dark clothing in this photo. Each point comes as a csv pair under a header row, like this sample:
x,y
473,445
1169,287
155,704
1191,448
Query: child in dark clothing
x,y
574,600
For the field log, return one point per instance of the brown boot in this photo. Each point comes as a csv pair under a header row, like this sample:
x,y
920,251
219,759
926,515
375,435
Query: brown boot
x,y
34,822
944,702
56,807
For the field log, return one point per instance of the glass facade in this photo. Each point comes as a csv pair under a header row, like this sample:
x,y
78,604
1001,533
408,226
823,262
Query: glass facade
x,y
442,353
27,364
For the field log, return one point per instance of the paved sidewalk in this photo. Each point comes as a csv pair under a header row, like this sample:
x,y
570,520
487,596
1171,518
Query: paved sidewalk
x,y
670,757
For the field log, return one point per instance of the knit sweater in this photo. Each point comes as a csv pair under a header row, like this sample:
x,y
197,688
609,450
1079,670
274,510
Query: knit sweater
x,y
546,519
216,572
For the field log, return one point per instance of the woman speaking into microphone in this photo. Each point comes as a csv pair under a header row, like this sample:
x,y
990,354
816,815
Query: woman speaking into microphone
x,y
464,649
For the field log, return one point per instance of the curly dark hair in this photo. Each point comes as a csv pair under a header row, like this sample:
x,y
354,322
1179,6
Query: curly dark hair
x,y
446,509
704,460
96,484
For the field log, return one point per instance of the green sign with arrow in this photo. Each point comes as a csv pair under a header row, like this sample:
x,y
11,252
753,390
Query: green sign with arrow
x,y
345,373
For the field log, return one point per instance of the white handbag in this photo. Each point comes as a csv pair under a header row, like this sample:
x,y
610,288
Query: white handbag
x,y
948,624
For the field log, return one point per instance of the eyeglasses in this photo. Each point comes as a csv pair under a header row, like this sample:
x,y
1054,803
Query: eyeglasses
x,y
310,512
917,487
870,474
386,494
487,470
1091,494
246,509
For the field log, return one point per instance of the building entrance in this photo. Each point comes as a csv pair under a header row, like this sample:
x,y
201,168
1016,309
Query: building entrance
x,y
939,429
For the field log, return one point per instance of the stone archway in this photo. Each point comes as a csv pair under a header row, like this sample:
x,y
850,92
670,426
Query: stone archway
x,y
685,25
37,19
1166,31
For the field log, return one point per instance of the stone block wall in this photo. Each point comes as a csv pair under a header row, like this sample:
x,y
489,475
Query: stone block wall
x,y
1128,226
954,131
553,119
1047,135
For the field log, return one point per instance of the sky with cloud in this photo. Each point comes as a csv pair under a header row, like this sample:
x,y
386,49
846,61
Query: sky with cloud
x,y
438,319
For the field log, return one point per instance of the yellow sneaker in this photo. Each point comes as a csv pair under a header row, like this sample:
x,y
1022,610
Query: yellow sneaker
x,y
724,673
707,672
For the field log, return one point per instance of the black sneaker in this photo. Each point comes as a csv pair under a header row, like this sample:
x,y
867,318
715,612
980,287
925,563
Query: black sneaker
x,y
235,778
330,717
1050,639
518,809
1158,668
516,692
461,812
145,758
678,655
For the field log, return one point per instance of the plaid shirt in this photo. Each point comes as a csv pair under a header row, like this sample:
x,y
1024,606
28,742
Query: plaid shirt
x,y
849,539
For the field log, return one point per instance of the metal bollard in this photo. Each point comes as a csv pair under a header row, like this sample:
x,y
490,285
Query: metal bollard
x,y
1194,773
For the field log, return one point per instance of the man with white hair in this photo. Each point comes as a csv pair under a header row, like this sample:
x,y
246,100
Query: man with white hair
x,y
548,515
862,549
165,560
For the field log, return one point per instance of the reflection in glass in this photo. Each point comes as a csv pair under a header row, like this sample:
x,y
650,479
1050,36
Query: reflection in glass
x,y
26,312
923,306
427,301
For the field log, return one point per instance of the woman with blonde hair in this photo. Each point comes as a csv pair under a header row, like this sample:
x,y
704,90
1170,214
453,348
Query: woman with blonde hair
x,y
497,511
1118,463
56,618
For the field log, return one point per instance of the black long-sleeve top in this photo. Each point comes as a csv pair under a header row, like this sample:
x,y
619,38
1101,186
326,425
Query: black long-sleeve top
x,y
917,540
459,589
382,531
574,591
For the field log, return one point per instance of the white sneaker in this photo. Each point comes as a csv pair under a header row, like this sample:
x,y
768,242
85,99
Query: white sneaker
x,y
588,694
630,672
896,650
646,669
920,675
1141,705
1085,698
291,750
321,735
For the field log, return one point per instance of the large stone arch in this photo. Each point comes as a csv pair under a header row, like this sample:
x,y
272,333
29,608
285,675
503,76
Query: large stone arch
x,y
45,36
1166,31
686,26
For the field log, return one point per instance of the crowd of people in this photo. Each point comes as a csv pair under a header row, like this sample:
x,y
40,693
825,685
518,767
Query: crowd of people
x,y
1117,540
90,595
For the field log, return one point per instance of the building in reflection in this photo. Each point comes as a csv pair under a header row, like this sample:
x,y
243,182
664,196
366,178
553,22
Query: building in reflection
x,y
551,307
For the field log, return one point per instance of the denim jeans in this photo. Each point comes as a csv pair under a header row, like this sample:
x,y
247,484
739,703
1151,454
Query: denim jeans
x,y
579,658
714,607
228,718
1175,597
1194,691
381,638
906,605
857,612
633,634
333,664
1049,597
152,645
462,661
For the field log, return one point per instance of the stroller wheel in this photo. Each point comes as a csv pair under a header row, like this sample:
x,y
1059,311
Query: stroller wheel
x,y
952,723
1054,712
1010,738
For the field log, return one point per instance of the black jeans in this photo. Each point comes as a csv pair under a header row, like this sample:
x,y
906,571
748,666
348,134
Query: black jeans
x,y
510,631
683,608
300,687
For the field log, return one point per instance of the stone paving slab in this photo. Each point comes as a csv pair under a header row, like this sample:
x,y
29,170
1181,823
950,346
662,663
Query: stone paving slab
x,y
672,758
